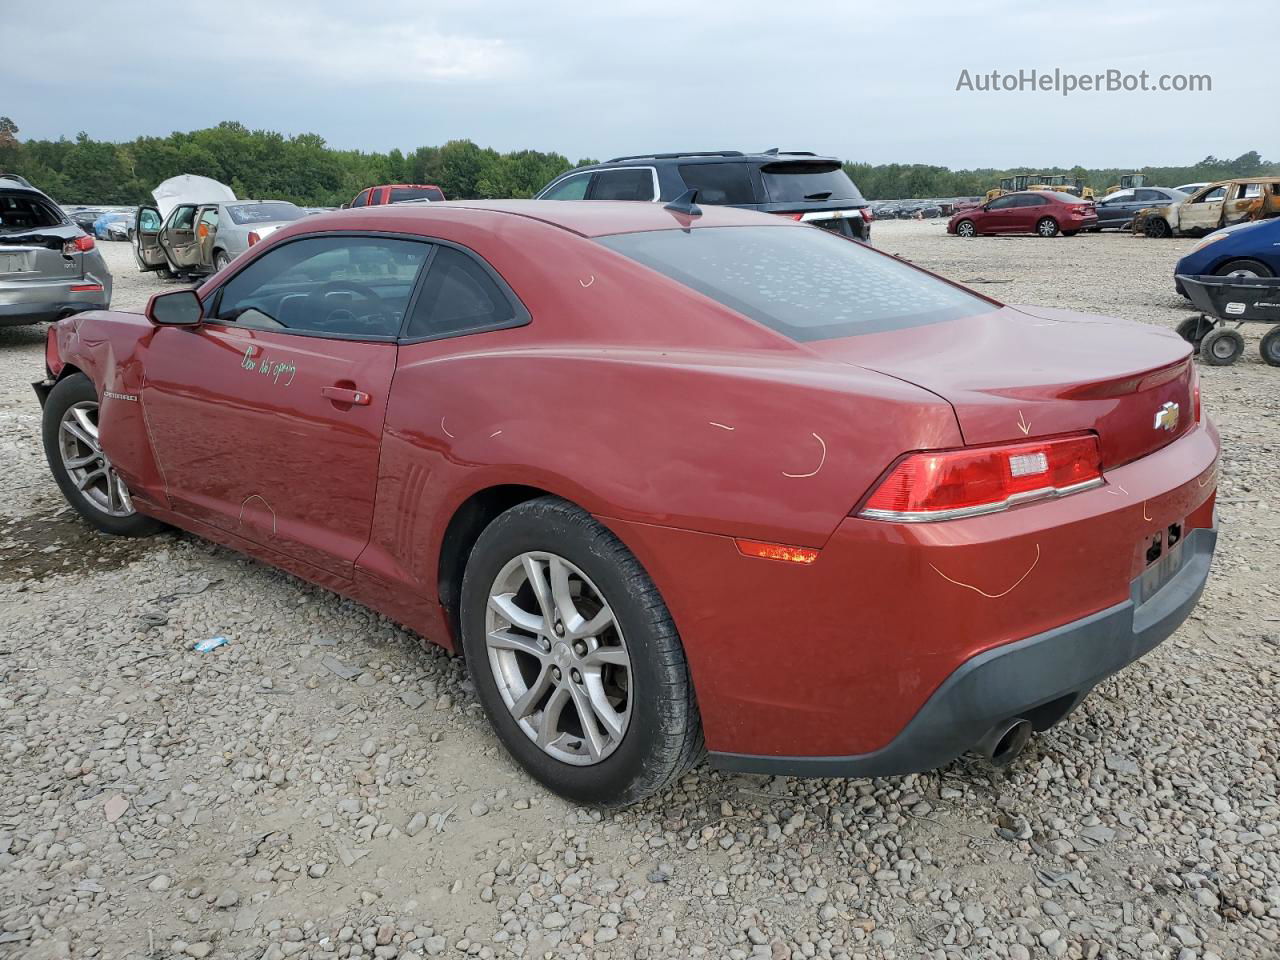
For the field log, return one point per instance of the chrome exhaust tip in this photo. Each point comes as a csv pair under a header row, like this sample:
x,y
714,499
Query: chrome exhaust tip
x,y
1002,745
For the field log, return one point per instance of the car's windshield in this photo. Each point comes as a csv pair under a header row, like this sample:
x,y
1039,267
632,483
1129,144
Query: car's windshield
x,y
264,212
792,182
805,283
400,194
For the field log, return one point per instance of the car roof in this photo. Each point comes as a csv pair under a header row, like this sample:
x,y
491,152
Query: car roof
x,y
587,218
710,156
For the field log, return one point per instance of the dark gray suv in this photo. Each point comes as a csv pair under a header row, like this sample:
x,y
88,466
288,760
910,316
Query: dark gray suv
x,y
49,267
803,186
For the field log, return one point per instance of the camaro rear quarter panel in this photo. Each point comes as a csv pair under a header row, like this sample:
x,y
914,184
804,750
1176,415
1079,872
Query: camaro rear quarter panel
x,y
834,659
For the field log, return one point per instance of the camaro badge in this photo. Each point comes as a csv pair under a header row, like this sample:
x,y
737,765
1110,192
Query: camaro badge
x,y
119,396
1167,417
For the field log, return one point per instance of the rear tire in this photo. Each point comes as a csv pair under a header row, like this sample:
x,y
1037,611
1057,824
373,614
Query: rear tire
x,y
1047,227
1269,348
82,471
1194,330
531,679
1221,347
1244,268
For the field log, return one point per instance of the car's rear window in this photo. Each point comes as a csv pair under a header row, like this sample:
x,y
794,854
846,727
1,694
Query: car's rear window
x,y
269,212
400,194
22,211
719,182
802,282
795,181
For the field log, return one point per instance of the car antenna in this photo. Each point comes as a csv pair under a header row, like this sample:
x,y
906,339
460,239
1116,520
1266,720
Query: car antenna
x,y
686,203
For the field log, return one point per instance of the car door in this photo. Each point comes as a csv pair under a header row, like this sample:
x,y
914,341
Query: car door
x,y
146,239
178,236
1203,211
206,234
999,214
1029,209
267,417
1113,211
1241,202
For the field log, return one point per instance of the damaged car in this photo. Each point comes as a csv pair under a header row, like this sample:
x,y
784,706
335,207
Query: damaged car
x,y
49,267
1212,207
853,533
200,238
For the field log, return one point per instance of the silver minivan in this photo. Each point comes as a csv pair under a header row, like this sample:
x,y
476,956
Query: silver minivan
x,y
49,267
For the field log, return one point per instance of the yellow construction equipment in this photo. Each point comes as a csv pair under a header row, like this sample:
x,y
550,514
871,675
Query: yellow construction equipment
x,y
1128,181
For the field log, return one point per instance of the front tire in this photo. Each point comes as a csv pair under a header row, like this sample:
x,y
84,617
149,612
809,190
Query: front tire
x,y
1157,228
1270,347
966,229
575,657
81,468
1047,227
1221,347
1244,268
220,260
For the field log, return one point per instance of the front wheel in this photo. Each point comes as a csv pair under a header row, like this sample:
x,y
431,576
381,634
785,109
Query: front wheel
x,y
1047,227
1244,268
1157,228
1270,347
220,260
965,228
81,468
1221,347
575,658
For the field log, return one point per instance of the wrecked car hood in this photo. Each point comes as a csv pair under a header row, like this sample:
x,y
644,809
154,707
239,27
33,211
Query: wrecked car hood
x,y
189,188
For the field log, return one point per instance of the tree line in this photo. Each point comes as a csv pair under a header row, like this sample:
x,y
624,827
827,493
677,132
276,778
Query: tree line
x,y
304,169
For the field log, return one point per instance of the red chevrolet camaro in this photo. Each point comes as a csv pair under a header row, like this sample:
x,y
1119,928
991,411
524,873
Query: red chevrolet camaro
x,y
666,477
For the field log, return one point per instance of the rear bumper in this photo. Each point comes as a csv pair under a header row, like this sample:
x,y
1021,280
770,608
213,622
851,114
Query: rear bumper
x,y
1041,679
34,301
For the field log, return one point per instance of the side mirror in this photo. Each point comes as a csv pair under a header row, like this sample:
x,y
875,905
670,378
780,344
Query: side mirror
x,y
178,308
345,206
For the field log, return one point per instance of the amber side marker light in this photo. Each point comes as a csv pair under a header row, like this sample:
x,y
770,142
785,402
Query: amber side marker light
x,y
777,551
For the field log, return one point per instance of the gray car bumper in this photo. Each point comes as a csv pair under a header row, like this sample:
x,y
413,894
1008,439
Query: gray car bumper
x,y
1040,679
32,301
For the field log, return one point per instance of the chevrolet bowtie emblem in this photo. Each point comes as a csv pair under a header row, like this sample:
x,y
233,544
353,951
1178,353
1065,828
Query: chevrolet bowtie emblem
x,y
1167,417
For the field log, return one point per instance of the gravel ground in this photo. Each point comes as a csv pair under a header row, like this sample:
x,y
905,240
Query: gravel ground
x,y
324,787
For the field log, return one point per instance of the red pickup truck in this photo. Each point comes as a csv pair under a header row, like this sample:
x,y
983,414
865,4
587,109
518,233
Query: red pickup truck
x,y
397,193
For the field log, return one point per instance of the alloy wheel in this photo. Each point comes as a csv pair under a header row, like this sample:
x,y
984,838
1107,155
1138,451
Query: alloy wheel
x,y
558,658
86,464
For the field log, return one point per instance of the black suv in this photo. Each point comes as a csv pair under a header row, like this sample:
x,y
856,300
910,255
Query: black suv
x,y
796,184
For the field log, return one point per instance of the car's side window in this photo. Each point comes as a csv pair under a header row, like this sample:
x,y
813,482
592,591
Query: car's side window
x,y
183,218
1002,203
460,296
149,221
1212,195
1030,200
208,221
361,200
340,286
570,188
622,185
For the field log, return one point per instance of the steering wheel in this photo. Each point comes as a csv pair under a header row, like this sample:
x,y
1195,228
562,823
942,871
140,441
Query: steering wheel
x,y
315,300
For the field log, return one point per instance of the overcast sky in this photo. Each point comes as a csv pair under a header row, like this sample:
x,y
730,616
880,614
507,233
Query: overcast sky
x,y
871,82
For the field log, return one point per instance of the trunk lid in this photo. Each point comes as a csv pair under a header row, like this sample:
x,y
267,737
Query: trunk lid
x,y
37,255
1025,372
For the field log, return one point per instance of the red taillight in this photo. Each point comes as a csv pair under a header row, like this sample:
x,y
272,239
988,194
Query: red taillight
x,y
777,551
253,237
945,484
1196,407
792,216
85,288
77,245
867,215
